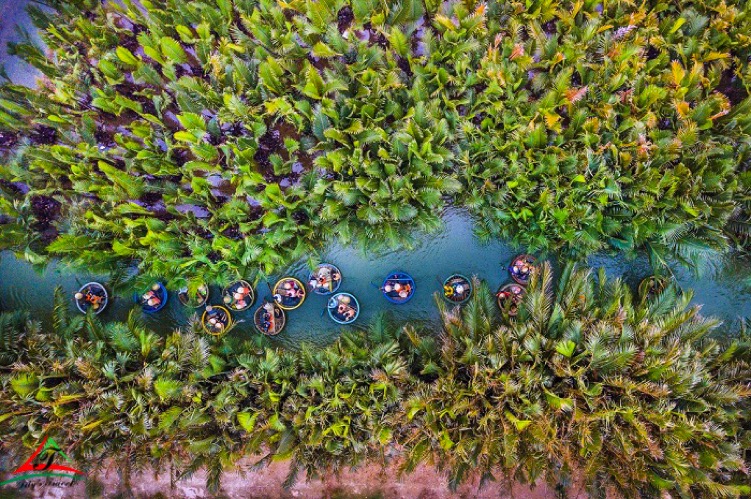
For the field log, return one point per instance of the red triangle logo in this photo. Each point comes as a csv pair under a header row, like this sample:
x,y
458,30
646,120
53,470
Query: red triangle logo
x,y
43,459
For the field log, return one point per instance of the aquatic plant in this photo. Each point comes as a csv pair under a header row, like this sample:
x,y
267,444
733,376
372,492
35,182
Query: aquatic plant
x,y
198,139
626,394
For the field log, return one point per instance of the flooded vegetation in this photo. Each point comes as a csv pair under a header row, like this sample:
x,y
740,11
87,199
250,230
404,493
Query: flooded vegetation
x,y
345,233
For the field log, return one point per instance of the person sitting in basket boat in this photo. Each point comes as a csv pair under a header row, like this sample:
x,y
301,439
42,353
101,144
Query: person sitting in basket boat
x,y
239,297
217,319
325,279
151,297
292,291
345,311
403,290
448,291
201,292
521,268
512,293
91,298
267,318
349,314
513,307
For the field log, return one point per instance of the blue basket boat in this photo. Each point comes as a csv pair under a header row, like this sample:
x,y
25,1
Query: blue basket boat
x,y
158,293
343,308
398,287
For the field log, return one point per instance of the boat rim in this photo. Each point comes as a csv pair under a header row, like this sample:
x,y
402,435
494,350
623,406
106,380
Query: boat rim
x,y
338,283
329,307
225,292
230,321
389,278
299,284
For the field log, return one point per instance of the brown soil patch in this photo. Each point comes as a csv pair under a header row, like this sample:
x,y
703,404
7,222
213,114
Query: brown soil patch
x,y
366,482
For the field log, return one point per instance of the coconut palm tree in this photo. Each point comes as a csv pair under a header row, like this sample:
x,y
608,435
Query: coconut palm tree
x,y
584,381
240,135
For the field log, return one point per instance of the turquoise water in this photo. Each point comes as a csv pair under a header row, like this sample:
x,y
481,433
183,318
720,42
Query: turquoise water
x,y
724,290
14,18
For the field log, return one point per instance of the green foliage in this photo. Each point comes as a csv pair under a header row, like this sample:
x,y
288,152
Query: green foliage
x,y
12,329
206,138
586,383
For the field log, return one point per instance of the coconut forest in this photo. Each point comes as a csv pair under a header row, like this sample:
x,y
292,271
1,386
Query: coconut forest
x,y
375,248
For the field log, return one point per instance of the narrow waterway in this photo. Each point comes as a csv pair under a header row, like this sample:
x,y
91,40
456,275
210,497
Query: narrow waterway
x,y
723,291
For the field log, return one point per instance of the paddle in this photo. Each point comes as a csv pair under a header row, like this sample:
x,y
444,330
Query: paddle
x,y
326,307
399,279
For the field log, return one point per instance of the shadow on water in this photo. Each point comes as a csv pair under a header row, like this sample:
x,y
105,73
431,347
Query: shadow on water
x,y
723,291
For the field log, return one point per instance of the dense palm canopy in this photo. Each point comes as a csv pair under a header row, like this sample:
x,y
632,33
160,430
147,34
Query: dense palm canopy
x,y
585,381
622,392
200,138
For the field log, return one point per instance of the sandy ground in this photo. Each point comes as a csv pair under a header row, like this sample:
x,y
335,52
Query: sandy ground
x,y
424,483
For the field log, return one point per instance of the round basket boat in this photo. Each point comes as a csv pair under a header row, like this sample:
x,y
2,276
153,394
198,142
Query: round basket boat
x,y
92,295
343,308
509,297
325,279
202,296
289,293
521,268
398,287
216,320
154,299
239,296
269,319
457,289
